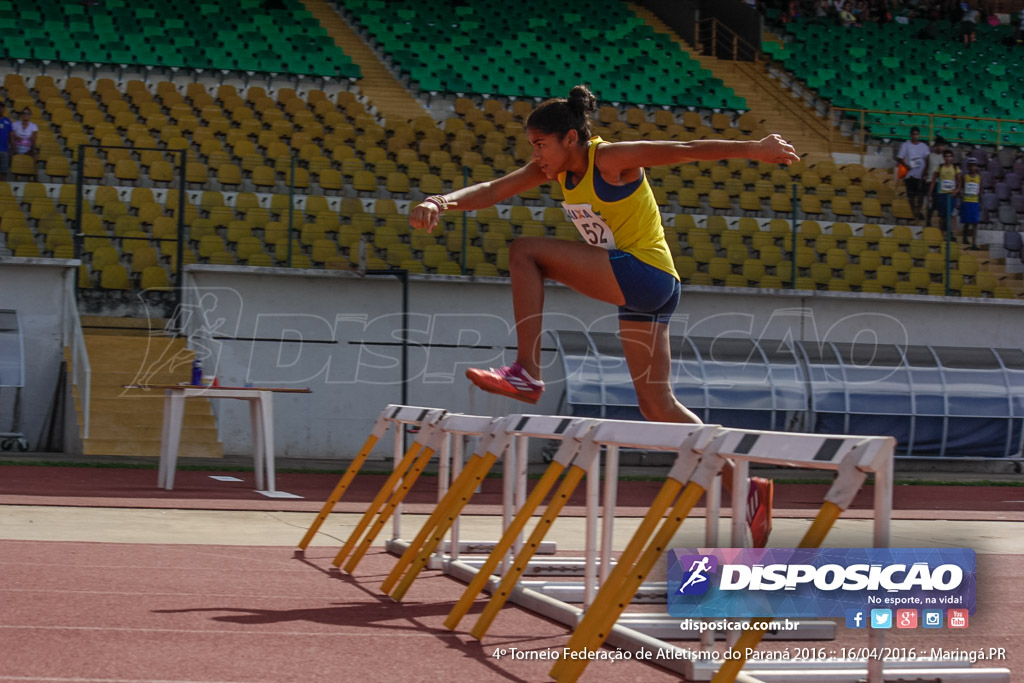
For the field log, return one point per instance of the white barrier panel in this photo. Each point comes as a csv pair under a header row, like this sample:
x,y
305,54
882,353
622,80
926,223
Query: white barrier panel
x,y
701,451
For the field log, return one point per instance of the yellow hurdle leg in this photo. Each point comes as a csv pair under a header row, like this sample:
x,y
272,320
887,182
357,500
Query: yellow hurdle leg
x,y
609,612
442,528
823,522
396,498
669,490
378,500
448,499
532,502
339,490
509,581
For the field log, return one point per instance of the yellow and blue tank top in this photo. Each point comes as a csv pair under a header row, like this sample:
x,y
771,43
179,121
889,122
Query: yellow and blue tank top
x,y
622,217
947,178
972,187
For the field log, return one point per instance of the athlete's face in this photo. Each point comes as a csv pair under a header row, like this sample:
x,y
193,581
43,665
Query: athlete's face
x,y
551,152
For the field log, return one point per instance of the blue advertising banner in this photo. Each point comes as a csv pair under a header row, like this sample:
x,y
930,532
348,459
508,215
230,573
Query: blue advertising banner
x,y
817,582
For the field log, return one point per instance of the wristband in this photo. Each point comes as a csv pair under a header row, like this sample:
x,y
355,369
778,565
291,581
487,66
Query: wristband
x,y
439,201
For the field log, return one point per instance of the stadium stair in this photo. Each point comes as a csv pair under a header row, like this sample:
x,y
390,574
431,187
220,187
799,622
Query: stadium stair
x,y
779,111
997,267
129,422
390,98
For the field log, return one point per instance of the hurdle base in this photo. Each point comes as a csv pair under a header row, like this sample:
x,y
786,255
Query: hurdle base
x,y
485,547
545,566
397,546
626,634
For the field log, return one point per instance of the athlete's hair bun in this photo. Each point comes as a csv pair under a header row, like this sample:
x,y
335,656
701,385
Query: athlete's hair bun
x,y
582,101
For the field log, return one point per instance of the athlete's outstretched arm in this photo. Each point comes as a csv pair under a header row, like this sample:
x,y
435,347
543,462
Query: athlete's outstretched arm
x,y
618,157
479,196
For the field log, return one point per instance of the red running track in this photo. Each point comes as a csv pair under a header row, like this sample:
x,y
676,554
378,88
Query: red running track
x,y
120,487
134,612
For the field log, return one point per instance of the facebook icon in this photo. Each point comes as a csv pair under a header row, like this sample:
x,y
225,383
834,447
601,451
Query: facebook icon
x,y
856,618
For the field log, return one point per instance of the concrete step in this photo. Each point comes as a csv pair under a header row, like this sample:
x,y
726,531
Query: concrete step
x,y
139,433
151,422
382,89
129,421
150,448
108,325
103,341
122,378
780,110
136,407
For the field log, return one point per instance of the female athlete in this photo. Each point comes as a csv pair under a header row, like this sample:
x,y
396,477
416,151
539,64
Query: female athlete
x,y
623,260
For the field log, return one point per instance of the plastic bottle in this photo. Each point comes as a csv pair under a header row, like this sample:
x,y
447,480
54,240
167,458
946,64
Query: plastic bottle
x,y
197,373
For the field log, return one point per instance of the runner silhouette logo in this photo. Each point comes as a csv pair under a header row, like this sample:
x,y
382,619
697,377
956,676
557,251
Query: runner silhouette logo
x,y
697,580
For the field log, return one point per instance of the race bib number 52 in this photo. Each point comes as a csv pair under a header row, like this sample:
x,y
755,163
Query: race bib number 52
x,y
592,227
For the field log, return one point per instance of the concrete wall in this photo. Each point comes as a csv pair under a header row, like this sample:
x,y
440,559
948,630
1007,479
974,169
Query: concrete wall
x,y
35,288
339,335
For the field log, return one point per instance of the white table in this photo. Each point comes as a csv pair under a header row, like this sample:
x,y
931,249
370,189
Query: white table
x,y
261,410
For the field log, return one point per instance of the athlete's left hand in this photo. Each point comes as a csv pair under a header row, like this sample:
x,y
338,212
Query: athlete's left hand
x,y
774,150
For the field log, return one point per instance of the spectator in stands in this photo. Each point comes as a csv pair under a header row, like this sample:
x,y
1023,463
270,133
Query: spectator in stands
x,y
23,134
945,187
5,145
822,11
624,259
913,154
846,16
968,24
934,161
970,207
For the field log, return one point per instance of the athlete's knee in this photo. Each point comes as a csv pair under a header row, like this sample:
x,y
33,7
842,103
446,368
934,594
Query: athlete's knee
x,y
524,250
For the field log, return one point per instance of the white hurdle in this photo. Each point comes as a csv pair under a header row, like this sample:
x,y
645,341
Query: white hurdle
x,y
853,459
609,586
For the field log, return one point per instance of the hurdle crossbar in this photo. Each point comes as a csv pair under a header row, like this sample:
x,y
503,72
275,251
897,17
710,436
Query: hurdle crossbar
x,y
432,437
392,414
544,426
389,486
473,471
567,451
699,473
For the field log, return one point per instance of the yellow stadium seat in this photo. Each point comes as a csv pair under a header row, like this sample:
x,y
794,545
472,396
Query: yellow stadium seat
x,y
264,178
114,276
901,261
229,175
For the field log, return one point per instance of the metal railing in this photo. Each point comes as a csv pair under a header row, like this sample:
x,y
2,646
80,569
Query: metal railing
x,y
716,39
81,372
953,128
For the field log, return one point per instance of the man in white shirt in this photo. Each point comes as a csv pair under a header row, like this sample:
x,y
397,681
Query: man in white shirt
x,y
914,155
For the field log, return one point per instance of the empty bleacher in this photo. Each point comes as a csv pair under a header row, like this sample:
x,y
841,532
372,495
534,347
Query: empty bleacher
x,y
355,175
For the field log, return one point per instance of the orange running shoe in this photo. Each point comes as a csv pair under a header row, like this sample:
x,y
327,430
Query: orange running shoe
x,y
759,510
511,381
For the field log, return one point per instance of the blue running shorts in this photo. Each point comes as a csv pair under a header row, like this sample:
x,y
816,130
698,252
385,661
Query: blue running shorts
x,y
651,293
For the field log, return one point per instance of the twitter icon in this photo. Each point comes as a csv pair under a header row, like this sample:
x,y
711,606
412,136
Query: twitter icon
x,y
881,618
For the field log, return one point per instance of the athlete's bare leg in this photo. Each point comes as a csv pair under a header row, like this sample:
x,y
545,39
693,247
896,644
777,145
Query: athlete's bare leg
x,y
583,267
648,354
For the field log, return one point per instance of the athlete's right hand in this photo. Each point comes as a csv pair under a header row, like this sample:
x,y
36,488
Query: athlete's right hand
x,y
425,216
